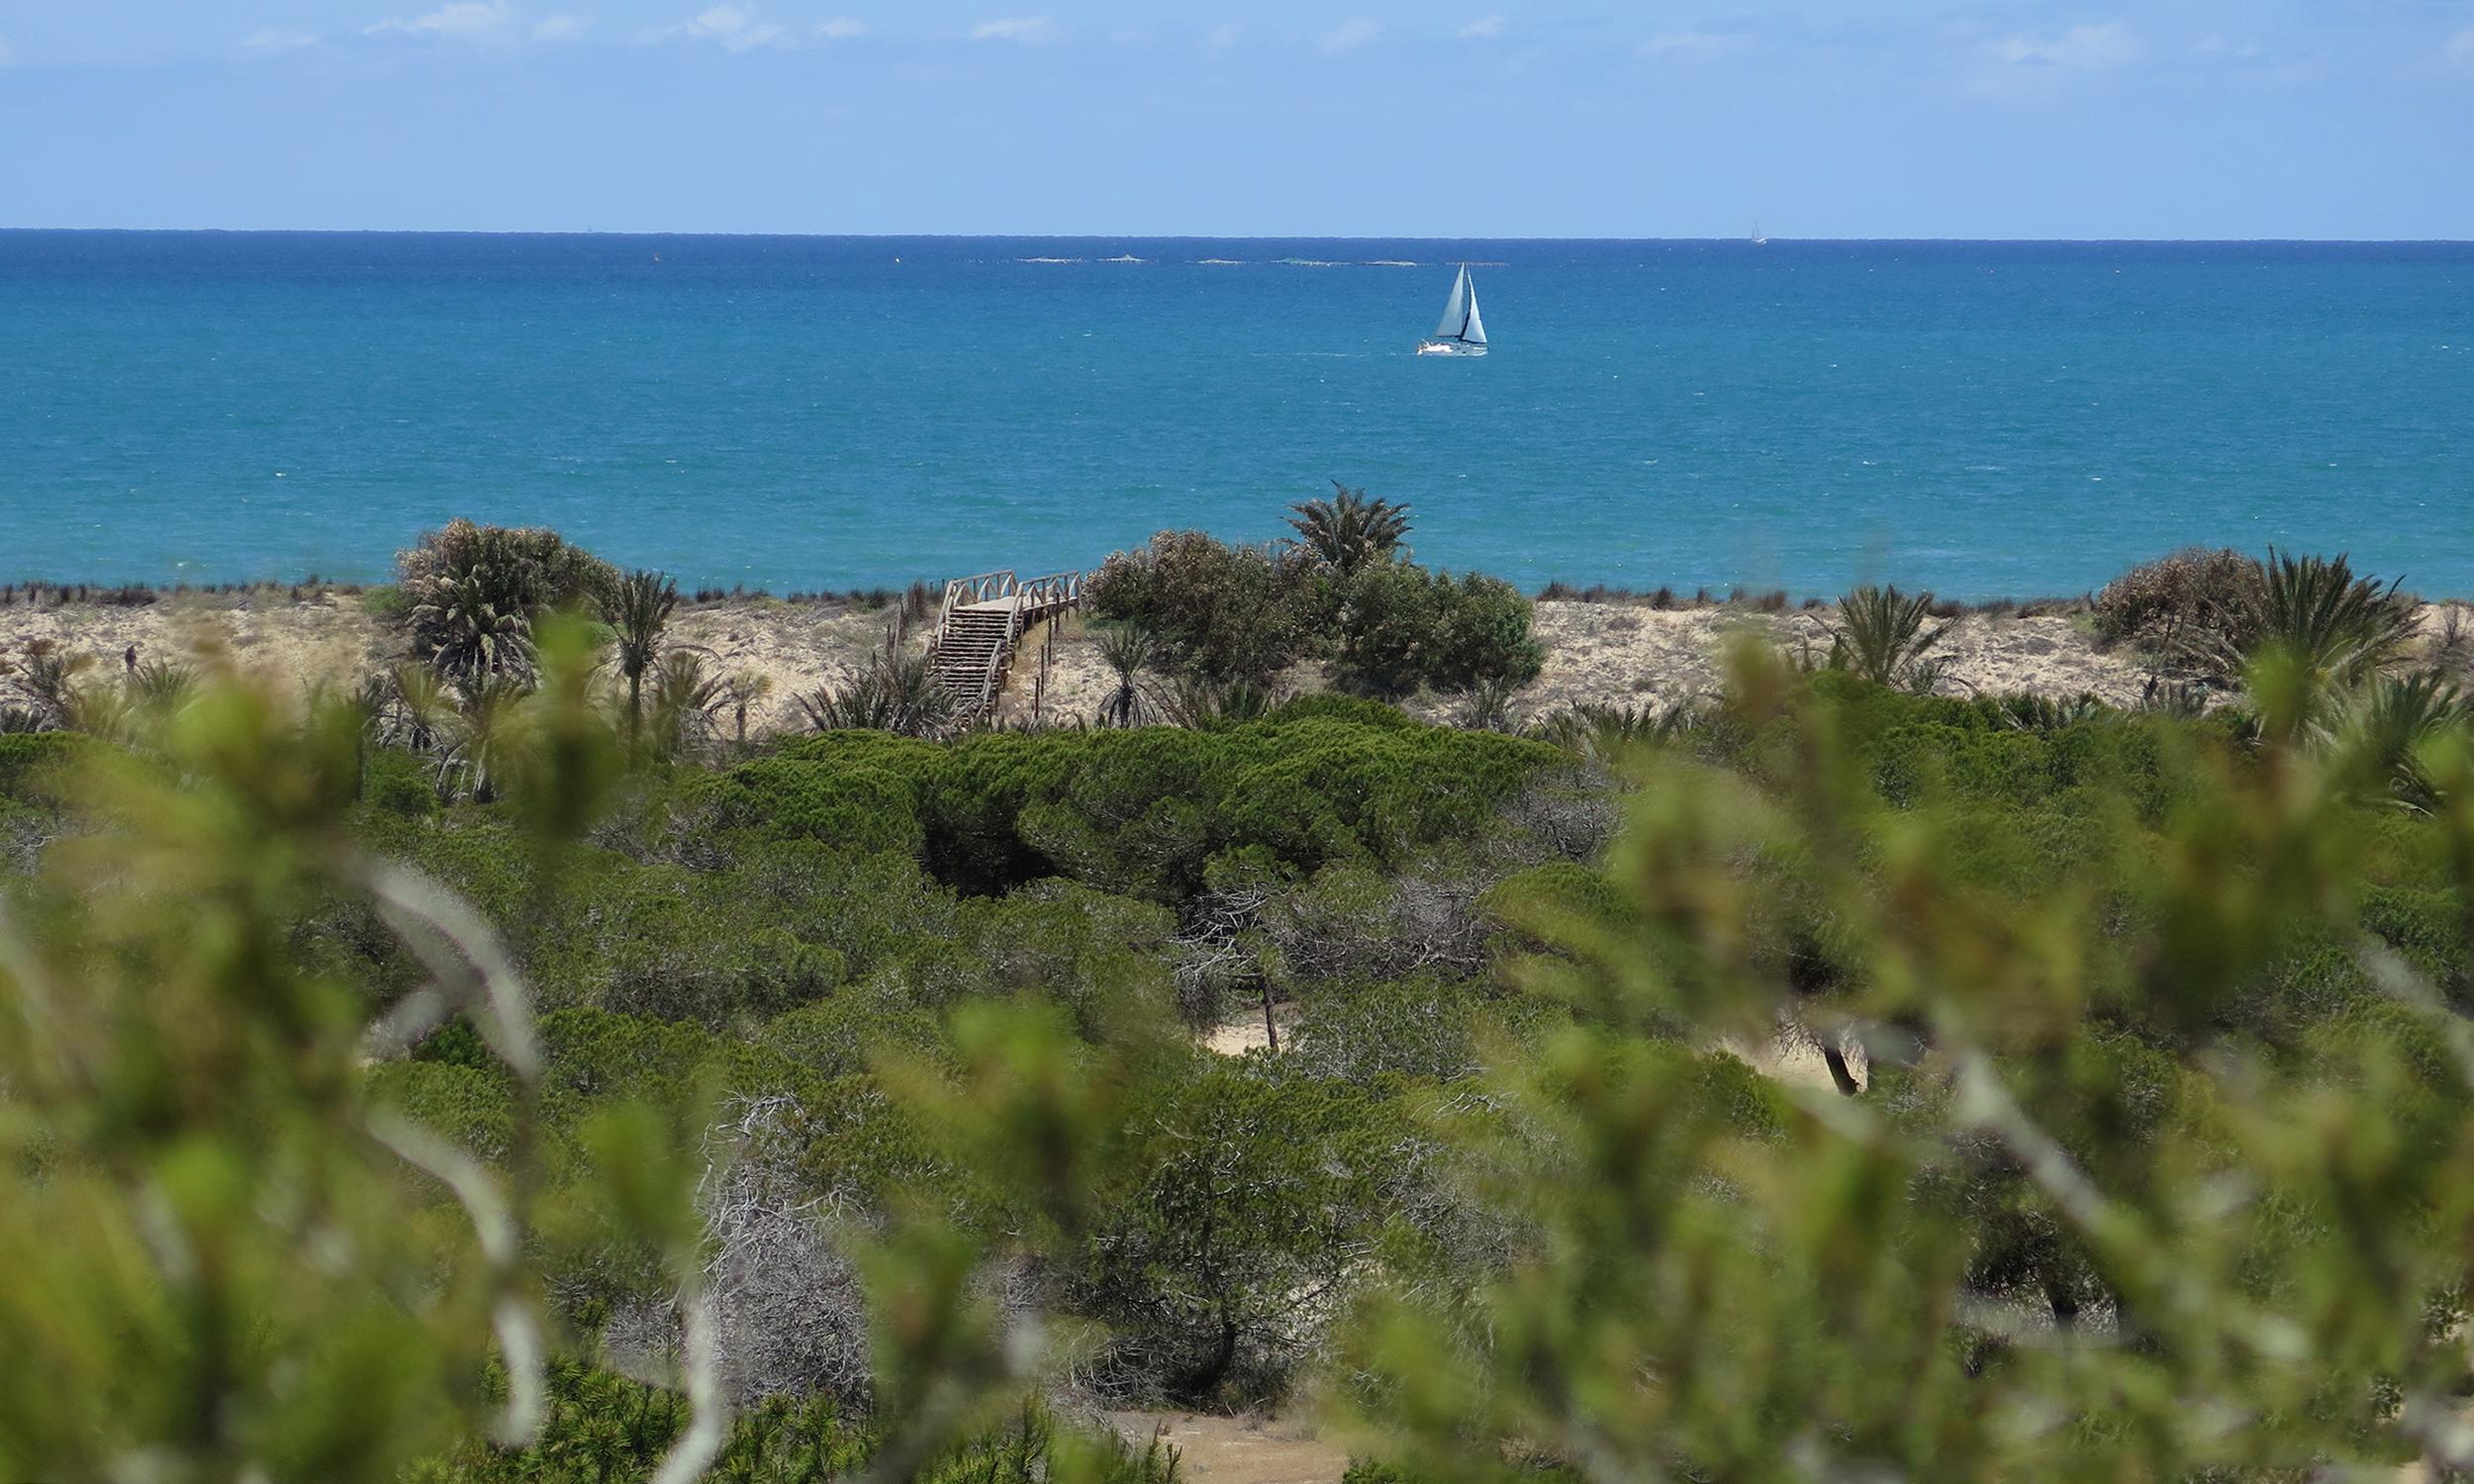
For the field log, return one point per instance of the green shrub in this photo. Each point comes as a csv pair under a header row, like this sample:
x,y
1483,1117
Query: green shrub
x,y
1402,627
1880,635
1390,617
1483,636
400,784
1250,1193
1226,613
1142,812
857,808
26,758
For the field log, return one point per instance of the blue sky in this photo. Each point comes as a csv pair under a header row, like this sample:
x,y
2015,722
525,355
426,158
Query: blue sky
x,y
1865,118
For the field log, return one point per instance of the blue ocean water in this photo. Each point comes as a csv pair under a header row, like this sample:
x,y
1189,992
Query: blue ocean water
x,y
801,412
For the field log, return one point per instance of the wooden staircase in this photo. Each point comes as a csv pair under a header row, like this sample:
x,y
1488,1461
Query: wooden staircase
x,y
982,619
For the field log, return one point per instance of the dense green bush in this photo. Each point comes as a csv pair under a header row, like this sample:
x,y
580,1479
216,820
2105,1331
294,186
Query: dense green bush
x,y
1252,1193
1481,636
25,757
400,783
1226,613
1402,627
1236,613
603,1428
1142,812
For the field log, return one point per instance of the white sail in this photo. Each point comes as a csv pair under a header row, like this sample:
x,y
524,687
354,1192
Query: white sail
x,y
1454,308
1474,333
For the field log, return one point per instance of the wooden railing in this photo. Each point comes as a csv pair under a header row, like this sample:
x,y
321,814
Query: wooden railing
x,y
1033,600
1058,590
962,591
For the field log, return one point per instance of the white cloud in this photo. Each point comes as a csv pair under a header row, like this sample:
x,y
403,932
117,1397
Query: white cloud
x,y
1349,36
273,39
462,21
2025,66
735,28
561,28
1695,45
1484,29
1015,28
2081,48
2459,50
841,28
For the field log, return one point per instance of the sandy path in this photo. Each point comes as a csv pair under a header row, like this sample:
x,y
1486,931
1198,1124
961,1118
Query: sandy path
x,y
1235,1449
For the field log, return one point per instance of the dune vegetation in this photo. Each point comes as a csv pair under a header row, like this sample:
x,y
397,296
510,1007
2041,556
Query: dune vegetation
x,y
509,1071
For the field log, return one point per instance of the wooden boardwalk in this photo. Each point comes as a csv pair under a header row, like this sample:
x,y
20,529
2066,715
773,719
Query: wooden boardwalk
x,y
982,619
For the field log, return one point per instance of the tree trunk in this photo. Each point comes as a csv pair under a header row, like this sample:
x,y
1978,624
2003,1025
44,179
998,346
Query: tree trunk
x,y
1840,1074
2063,1303
1199,1386
1270,1025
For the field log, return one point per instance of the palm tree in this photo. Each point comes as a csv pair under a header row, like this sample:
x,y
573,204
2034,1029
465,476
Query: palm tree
x,y
1127,650
745,689
639,607
684,696
1881,636
49,678
894,691
161,687
1349,531
494,718
1600,733
472,630
2380,730
2342,629
418,706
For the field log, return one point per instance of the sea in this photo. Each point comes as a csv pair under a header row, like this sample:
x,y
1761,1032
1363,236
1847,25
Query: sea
x,y
799,414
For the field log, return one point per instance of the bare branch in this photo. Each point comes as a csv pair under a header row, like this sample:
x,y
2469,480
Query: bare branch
x,y
494,1224
466,956
708,1414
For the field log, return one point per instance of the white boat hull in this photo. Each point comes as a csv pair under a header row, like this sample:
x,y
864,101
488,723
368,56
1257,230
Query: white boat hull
x,y
1448,347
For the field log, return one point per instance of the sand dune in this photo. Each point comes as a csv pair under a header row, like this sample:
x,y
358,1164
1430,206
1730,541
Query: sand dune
x,y
1596,653
1623,654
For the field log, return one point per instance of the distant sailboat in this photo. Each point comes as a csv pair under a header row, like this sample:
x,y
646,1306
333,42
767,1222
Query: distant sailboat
x,y
1462,330
1758,240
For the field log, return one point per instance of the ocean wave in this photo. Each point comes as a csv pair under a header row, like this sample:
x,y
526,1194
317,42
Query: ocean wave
x,y
1050,261
1123,258
1219,262
1308,262
1393,262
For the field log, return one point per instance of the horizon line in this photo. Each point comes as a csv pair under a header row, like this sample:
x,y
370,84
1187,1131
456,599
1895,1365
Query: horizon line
x,y
1189,237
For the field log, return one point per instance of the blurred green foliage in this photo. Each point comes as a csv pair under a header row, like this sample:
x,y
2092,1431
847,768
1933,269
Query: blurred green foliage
x,y
1834,1081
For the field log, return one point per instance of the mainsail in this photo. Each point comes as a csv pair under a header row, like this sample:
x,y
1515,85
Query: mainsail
x,y
1456,309
1475,330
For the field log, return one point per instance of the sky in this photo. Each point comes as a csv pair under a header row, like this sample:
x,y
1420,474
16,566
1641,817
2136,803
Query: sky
x,y
2224,119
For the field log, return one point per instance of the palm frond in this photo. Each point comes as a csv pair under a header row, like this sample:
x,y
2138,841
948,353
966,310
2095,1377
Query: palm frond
x,y
1348,530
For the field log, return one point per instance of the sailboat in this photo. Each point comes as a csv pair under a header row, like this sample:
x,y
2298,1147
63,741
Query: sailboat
x,y
1760,238
1462,330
